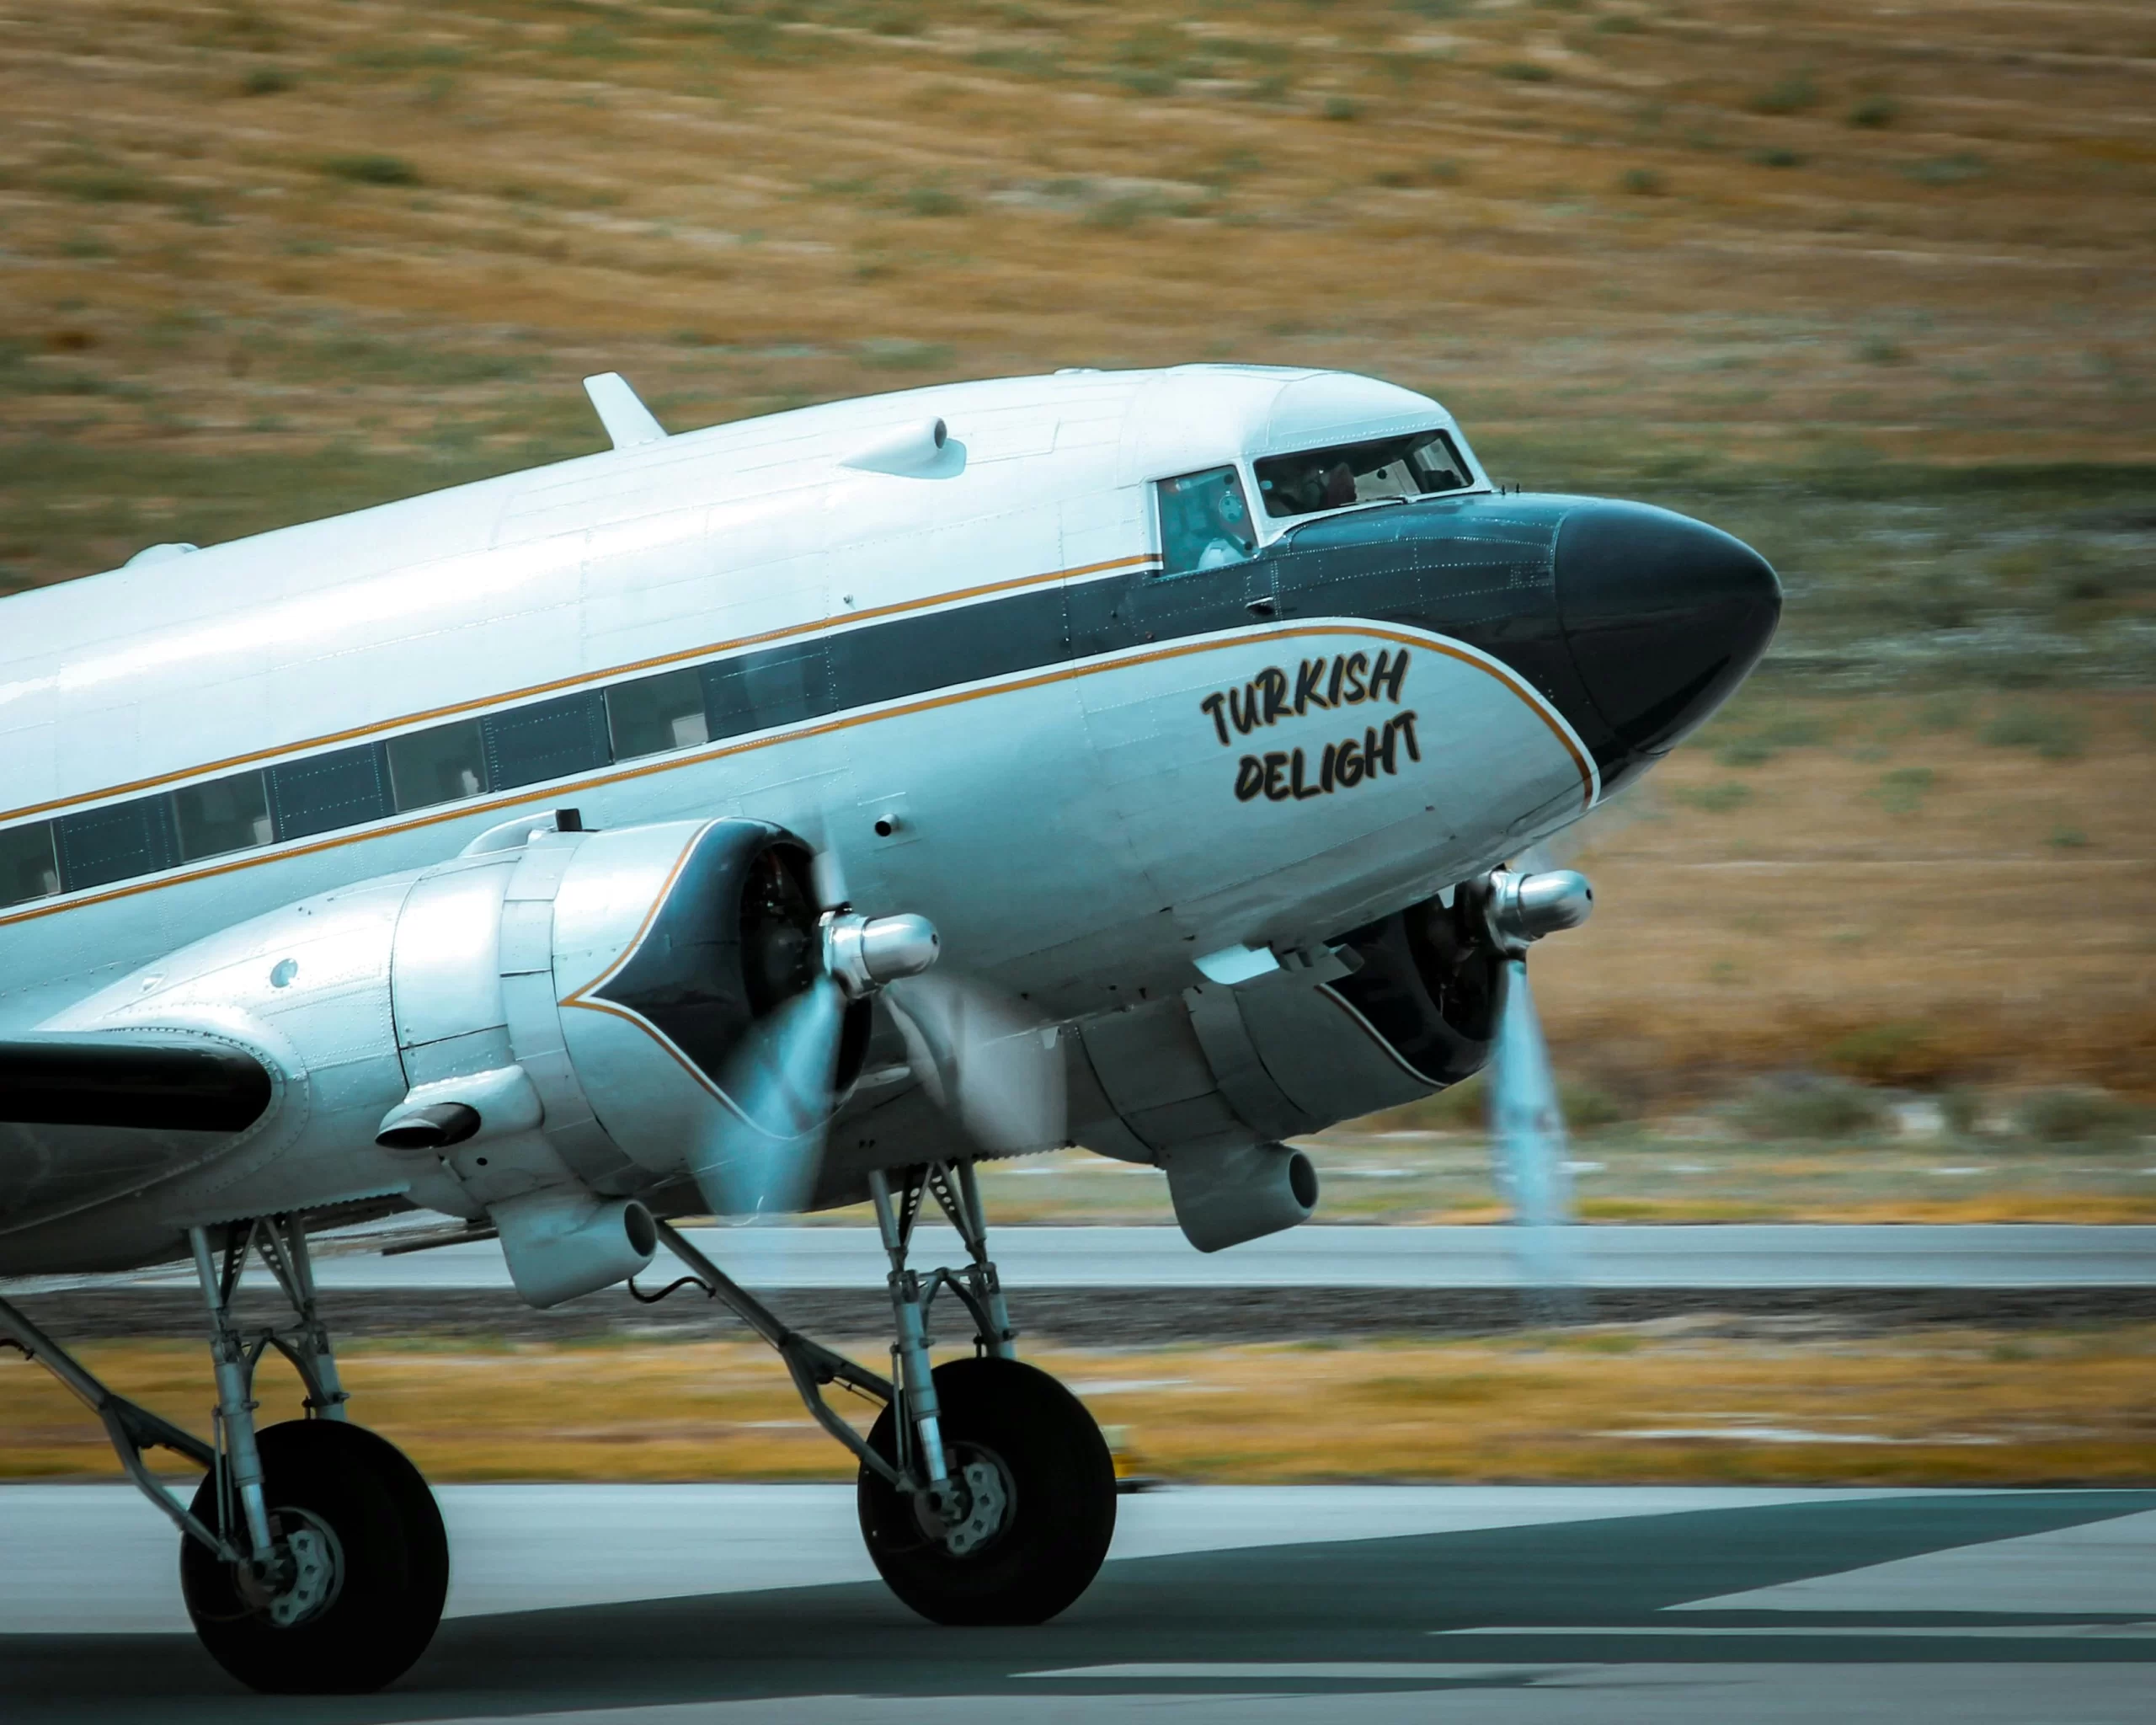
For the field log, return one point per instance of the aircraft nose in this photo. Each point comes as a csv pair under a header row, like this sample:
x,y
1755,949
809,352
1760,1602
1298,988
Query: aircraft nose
x,y
1663,615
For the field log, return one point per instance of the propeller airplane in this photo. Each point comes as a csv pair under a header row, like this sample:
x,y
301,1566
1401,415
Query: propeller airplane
x,y
780,816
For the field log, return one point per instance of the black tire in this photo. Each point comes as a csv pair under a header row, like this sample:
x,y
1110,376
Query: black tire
x,y
1061,1480
393,1576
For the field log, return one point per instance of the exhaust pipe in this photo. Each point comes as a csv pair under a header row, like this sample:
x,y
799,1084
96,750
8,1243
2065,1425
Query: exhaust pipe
x,y
560,1244
1226,1194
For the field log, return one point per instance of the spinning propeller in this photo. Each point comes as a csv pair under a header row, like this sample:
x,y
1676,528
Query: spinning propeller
x,y
980,1059
1527,1124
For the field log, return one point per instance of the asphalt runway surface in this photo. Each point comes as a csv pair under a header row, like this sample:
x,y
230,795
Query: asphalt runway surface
x,y
1733,1256
1358,1606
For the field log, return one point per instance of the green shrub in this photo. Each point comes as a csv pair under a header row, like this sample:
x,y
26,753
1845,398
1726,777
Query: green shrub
x,y
1122,213
1786,95
1902,791
1644,182
1944,713
1714,799
1875,113
1957,169
1776,158
1809,1108
104,185
1526,72
372,170
1588,1107
1886,1053
2076,1115
2054,734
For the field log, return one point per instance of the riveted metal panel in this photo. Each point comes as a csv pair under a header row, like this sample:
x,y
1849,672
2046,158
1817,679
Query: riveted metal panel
x,y
1148,1057
1252,1090
444,975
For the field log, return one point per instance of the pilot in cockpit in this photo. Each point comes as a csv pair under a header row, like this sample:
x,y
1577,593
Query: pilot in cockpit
x,y
1416,466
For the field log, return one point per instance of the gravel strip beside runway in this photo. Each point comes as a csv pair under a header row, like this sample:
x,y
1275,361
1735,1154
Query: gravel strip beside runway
x,y
1117,1316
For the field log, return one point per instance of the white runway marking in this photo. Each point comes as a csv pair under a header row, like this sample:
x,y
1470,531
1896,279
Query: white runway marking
x,y
2101,1566
1843,1632
1290,1671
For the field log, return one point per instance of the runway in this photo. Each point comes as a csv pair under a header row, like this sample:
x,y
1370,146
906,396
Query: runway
x,y
744,1605
1735,1256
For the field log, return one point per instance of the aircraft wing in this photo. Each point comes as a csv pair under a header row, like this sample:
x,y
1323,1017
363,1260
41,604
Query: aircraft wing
x,y
86,1117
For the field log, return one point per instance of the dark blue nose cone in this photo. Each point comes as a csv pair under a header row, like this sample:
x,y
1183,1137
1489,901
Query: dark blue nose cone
x,y
1663,616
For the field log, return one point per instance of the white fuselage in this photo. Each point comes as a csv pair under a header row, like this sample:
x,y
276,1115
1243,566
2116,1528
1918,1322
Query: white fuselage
x,y
1072,824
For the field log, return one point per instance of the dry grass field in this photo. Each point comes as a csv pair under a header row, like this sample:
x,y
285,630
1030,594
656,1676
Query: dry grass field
x,y
261,261
1954,889
1669,1402
1875,287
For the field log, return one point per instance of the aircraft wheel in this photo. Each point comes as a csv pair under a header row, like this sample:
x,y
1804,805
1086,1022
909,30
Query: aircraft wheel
x,y
374,1563
1044,1488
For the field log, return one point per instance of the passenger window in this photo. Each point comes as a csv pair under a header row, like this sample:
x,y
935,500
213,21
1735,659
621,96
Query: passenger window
x,y
779,685
28,869
1204,522
117,842
547,739
345,787
653,715
444,765
226,814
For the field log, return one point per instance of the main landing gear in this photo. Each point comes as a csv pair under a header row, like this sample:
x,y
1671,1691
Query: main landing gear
x,y
986,1493
313,1559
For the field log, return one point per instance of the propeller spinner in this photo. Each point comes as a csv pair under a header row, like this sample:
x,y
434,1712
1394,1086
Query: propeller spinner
x,y
762,1157
990,1066
1527,1123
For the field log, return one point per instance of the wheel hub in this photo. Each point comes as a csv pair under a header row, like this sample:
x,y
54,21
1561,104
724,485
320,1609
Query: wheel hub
x,y
314,1569
987,1507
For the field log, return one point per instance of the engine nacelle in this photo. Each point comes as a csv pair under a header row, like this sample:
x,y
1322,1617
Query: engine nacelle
x,y
552,1020
1214,1080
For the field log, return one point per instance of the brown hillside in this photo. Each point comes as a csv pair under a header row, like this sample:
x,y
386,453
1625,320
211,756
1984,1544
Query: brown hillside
x,y
372,246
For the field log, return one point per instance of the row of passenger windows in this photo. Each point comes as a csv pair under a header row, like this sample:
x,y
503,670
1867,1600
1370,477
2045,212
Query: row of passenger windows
x,y
345,787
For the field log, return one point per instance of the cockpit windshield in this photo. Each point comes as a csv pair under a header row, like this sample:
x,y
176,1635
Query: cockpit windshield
x,y
1417,465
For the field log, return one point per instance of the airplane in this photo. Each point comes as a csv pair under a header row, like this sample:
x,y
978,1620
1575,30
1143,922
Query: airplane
x,y
778,816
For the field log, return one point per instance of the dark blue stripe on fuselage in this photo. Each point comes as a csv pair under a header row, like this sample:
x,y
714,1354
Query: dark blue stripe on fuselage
x,y
1478,569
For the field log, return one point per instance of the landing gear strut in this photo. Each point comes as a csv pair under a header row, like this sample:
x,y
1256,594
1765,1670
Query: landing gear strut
x,y
313,1559
986,1492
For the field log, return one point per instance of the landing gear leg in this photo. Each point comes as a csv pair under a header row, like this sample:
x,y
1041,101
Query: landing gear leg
x,y
313,1559
1016,1502
986,1492
346,1562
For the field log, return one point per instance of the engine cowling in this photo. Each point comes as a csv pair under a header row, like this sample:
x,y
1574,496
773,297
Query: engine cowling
x,y
1383,1014
555,1018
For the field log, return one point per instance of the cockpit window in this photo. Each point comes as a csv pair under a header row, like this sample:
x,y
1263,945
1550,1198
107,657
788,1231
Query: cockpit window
x,y
1204,522
1415,465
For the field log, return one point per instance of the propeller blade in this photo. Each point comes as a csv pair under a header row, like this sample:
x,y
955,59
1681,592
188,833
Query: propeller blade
x,y
983,1061
763,1154
1527,1128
